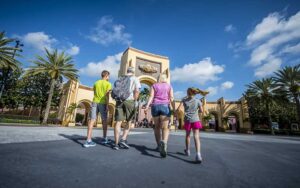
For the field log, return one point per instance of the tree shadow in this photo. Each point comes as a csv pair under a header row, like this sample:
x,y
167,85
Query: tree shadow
x,y
144,150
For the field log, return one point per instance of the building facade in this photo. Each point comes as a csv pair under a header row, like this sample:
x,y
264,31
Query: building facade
x,y
218,115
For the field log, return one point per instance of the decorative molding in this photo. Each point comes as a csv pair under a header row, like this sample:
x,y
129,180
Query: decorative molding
x,y
148,68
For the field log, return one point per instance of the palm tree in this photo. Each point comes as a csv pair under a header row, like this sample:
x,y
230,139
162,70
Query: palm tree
x,y
7,53
7,59
265,91
288,81
56,65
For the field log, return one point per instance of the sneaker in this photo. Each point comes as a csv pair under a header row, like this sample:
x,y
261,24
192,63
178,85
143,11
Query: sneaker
x,y
89,144
116,147
157,148
187,152
105,141
198,159
123,144
163,149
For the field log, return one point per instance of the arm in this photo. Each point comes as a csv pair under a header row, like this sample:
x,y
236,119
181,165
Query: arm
x,y
150,98
171,94
136,92
200,107
107,94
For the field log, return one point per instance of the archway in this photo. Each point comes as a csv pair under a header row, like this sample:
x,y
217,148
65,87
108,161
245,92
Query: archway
x,y
233,122
213,123
144,118
82,113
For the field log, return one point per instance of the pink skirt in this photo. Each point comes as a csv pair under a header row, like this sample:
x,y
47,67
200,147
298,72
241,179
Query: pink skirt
x,y
195,125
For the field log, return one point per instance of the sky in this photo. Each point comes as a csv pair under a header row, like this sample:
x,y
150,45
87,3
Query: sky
x,y
219,46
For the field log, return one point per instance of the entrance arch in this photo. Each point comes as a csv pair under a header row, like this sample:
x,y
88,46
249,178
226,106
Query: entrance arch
x,y
213,122
82,112
233,121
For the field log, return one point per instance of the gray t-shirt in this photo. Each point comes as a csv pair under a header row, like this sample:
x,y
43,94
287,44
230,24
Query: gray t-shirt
x,y
134,85
191,109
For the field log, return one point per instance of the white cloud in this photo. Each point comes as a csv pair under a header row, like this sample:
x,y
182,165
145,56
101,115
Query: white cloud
x,y
268,68
291,49
227,85
200,72
229,28
178,95
212,90
270,40
110,63
107,32
73,50
269,25
38,40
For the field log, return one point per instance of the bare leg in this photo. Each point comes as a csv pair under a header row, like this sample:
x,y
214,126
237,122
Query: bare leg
x,y
117,131
164,122
90,129
157,129
197,139
104,125
126,130
187,140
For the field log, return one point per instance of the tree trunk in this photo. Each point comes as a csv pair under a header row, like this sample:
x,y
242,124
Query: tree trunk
x,y
47,110
1,90
269,118
41,114
296,98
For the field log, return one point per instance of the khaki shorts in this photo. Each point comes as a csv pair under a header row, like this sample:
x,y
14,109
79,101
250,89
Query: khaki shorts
x,y
125,110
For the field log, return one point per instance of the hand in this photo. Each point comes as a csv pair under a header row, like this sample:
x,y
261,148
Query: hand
x,y
146,108
176,113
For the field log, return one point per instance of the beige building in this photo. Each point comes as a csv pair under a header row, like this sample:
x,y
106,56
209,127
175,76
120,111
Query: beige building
x,y
219,115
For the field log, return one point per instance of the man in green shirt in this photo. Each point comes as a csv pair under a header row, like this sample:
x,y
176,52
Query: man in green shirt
x,y
100,104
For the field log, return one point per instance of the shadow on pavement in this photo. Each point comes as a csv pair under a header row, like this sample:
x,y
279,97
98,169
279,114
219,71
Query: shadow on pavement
x,y
75,138
144,150
174,155
81,139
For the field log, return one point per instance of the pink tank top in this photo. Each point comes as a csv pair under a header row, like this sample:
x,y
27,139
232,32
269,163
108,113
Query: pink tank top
x,y
161,93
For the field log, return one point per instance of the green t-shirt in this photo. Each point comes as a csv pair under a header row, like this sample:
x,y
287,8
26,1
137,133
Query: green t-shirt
x,y
101,87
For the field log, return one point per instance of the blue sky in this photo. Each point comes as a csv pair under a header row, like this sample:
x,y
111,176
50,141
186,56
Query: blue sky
x,y
216,45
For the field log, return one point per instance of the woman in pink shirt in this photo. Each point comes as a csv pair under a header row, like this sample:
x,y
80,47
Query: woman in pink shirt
x,y
161,95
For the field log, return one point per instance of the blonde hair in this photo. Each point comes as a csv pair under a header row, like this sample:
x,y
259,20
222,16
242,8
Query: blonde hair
x,y
193,91
162,78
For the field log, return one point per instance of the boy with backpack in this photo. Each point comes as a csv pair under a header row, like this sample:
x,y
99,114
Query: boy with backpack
x,y
125,92
100,104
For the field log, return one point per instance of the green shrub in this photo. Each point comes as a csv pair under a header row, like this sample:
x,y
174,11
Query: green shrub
x,y
6,120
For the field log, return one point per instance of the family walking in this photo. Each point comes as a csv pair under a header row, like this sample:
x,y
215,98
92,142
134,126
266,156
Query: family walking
x,y
126,92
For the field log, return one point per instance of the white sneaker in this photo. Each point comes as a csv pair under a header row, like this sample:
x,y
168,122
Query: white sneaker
x,y
198,158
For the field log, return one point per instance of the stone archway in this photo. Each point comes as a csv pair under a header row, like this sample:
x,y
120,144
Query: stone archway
x,y
147,83
82,112
214,122
148,67
233,121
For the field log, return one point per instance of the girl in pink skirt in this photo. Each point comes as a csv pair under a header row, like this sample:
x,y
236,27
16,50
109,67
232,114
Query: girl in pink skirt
x,y
192,107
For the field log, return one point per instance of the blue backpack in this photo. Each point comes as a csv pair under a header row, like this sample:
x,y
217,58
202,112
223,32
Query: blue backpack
x,y
121,90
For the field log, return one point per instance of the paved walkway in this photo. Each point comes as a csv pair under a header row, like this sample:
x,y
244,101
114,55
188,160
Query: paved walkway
x,y
53,157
